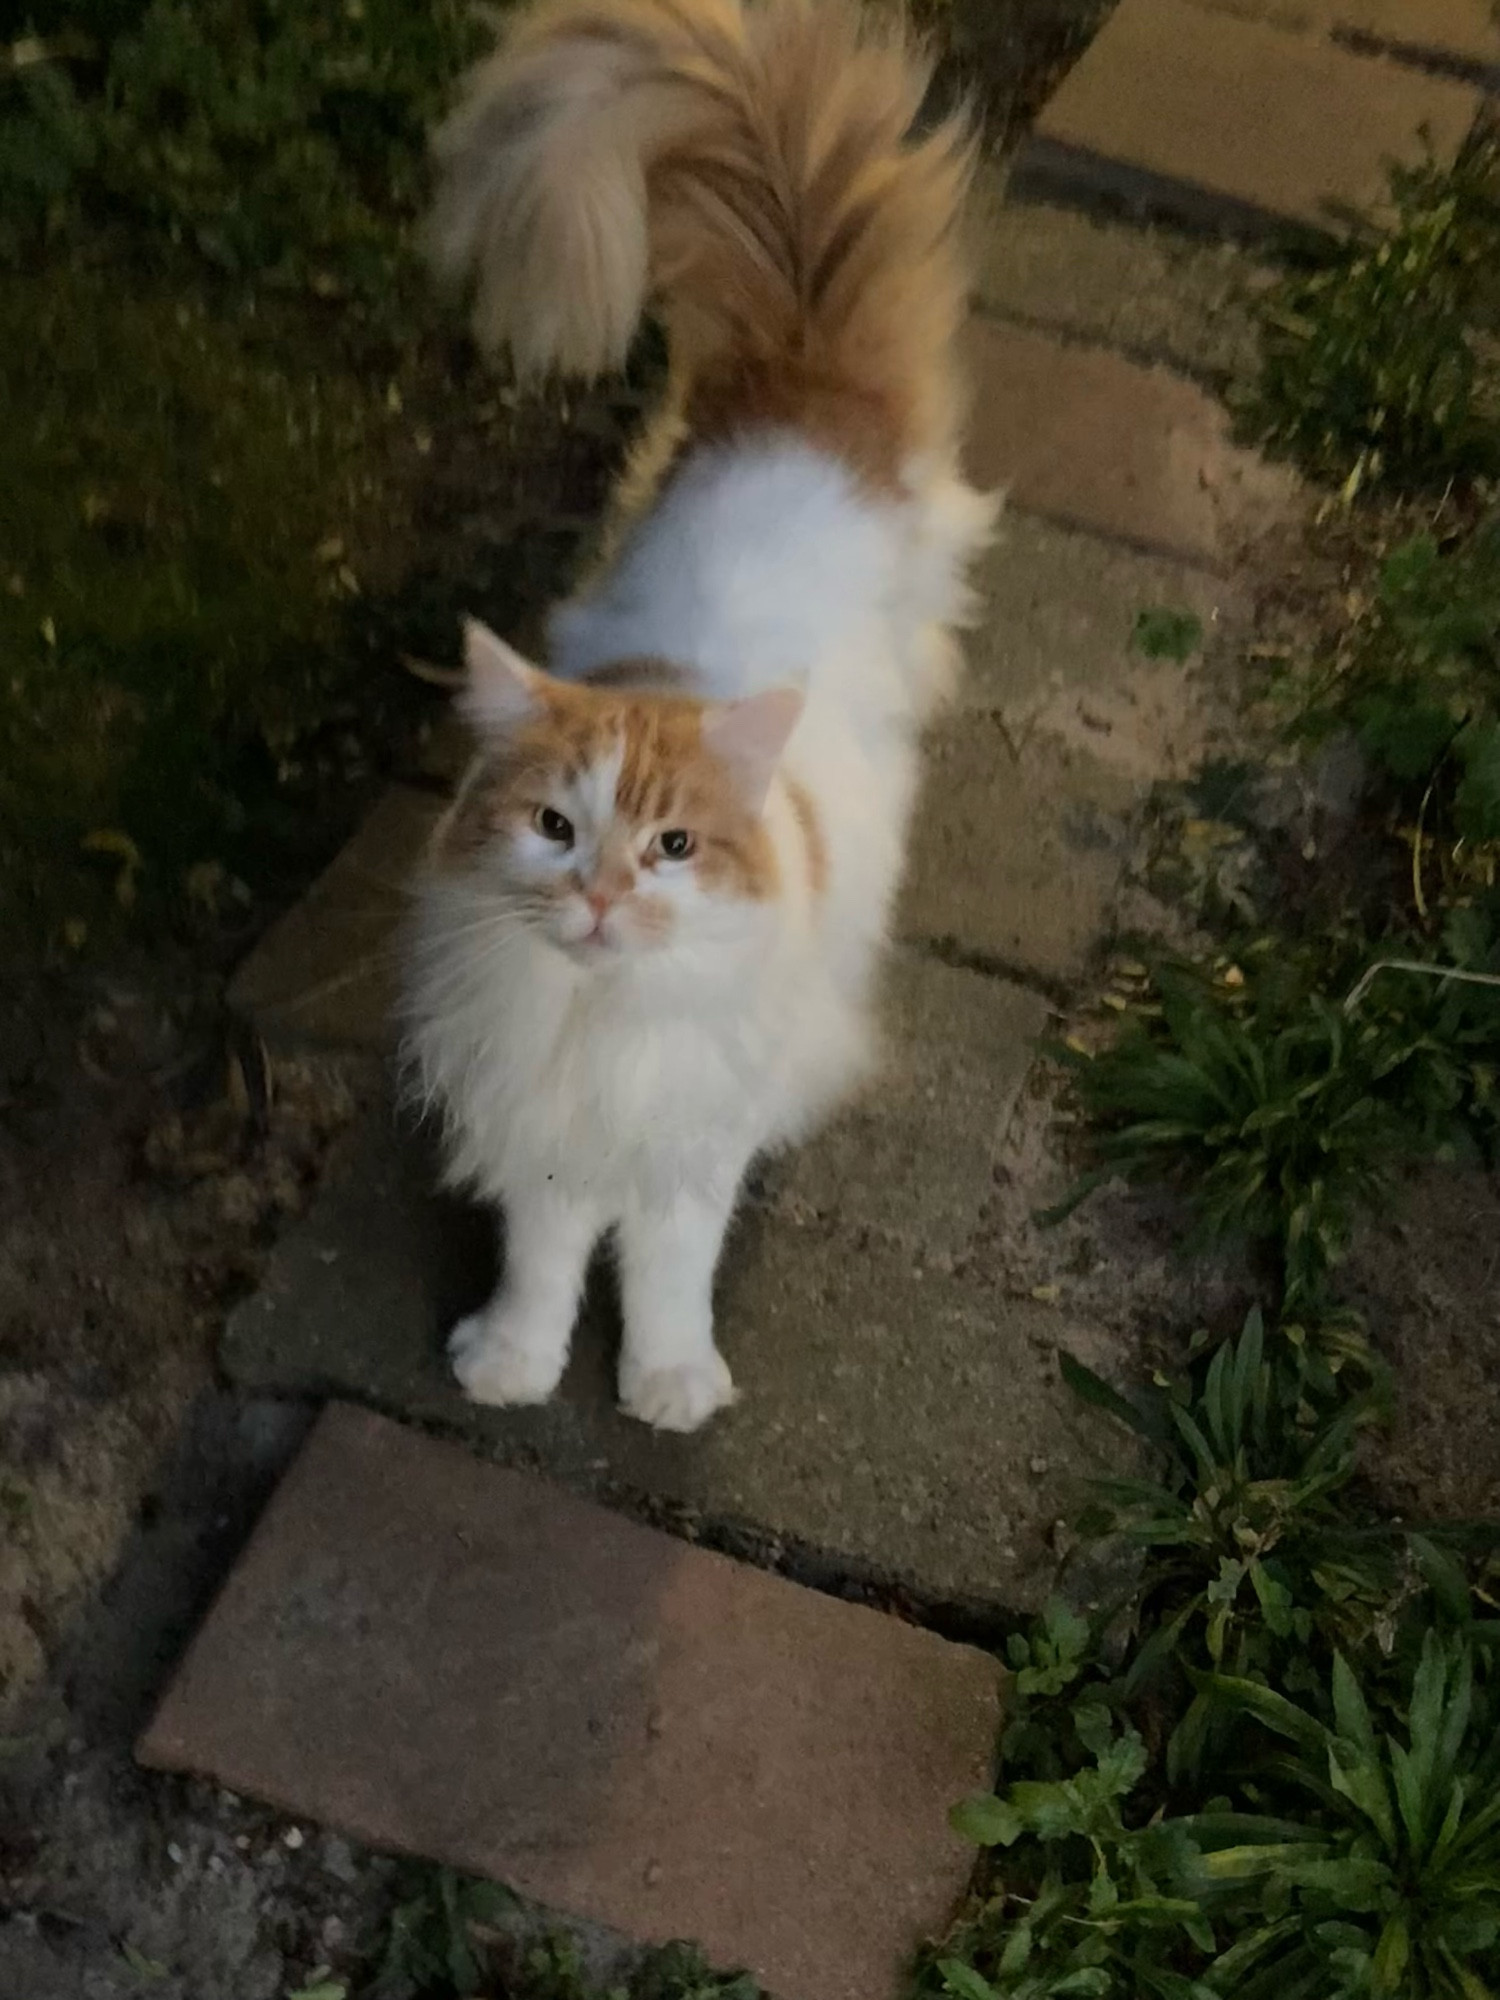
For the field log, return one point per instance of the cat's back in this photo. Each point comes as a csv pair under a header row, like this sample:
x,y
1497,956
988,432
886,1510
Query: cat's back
x,y
756,562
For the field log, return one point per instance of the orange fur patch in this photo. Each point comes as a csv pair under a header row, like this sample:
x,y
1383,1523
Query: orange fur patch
x,y
801,238
667,779
805,245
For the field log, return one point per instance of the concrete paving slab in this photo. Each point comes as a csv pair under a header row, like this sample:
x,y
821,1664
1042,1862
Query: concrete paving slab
x,y
1152,293
1223,122
325,973
1060,614
895,1421
1018,849
911,1160
1082,436
444,1658
1461,34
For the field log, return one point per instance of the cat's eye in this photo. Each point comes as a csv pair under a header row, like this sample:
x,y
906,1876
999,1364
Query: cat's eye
x,y
553,826
676,843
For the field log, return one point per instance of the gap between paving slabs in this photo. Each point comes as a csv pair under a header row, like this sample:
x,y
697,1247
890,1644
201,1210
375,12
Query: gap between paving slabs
x,y
1459,36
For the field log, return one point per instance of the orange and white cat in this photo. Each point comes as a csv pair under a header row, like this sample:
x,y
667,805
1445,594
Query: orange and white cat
x,y
650,926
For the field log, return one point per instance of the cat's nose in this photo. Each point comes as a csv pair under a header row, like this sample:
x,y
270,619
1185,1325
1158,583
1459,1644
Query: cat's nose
x,y
598,902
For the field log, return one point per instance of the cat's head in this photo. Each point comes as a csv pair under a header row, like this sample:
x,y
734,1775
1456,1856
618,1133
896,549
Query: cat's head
x,y
613,820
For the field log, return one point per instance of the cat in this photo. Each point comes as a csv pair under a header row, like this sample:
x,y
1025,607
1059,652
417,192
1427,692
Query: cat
x,y
649,928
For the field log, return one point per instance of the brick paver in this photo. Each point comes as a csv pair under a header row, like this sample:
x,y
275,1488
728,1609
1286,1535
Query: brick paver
x,y
448,1659
1213,119
1152,293
1081,435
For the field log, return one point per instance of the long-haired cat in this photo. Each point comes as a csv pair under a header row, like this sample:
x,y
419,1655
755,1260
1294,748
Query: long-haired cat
x,y
650,925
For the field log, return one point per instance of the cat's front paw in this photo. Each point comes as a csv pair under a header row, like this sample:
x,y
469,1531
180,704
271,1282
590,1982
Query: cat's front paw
x,y
499,1364
676,1399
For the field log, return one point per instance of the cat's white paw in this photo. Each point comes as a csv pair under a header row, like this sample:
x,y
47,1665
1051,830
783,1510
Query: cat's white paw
x,y
493,1363
677,1399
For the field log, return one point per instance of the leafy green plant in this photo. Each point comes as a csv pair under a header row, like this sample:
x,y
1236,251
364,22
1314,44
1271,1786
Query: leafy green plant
x,y
1392,1886
1153,1835
1267,1770
1281,1112
1103,1917
1266,1106
1417,679
1256,1441
319,1985
449,1937
1373,371
430,1947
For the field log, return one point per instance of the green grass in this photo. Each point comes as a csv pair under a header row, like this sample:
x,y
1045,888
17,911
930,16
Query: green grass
x,y
276,139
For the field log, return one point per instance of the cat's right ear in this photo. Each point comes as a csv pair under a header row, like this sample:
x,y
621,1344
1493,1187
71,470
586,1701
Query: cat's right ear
x,y
501,689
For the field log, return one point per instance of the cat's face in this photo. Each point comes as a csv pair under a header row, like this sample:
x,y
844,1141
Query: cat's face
x,y
612,822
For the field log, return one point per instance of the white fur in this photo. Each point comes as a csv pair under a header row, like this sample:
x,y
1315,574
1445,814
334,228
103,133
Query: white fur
x,y
630,1088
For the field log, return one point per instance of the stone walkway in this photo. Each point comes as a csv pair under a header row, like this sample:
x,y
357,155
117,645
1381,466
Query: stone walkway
x,y
903,1419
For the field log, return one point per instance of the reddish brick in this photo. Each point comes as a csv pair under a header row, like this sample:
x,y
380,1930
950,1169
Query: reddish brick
x,y
1199,114
447,1658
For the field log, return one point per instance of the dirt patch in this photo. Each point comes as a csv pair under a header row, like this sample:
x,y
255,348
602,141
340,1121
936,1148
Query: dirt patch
x,y
1428,1278
1121,1260
141,1178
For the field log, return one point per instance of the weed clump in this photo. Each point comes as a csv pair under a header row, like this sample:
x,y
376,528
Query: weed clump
x,y
1377,364
1283,1112
1268,1769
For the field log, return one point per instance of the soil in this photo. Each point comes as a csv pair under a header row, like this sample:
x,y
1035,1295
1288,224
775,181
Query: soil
x,y
1428,1280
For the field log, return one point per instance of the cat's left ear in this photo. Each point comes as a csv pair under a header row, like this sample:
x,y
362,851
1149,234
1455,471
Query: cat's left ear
x,y
501,688
749,736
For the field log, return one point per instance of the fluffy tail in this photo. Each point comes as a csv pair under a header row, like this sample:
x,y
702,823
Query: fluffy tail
x,y
750,171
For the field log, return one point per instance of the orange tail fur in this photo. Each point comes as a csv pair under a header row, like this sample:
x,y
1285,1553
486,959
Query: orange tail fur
x,y
751,172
